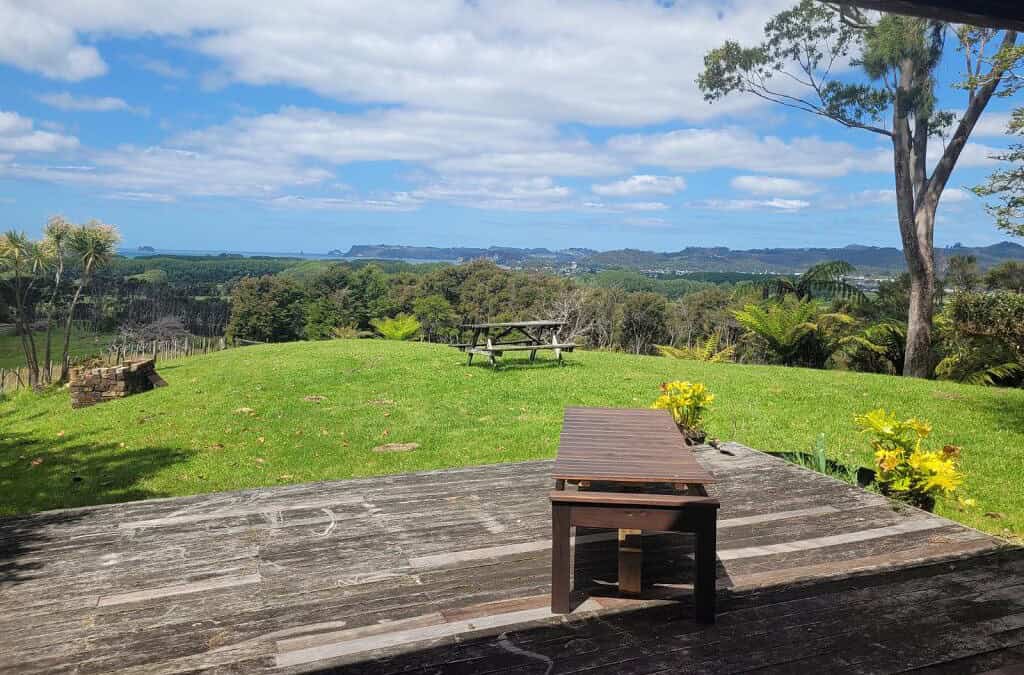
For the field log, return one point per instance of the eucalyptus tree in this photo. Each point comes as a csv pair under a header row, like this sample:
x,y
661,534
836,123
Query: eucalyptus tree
x,y
1008,184
798,66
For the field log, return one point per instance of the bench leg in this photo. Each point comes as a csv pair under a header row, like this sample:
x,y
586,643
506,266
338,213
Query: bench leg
x,y
469,361
631,561
705,558
560,603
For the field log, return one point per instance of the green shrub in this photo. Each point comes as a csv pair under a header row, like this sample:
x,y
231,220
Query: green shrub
x,y
402,327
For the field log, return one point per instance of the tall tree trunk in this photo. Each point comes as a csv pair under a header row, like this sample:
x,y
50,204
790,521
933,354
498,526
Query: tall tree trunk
x,y
64,359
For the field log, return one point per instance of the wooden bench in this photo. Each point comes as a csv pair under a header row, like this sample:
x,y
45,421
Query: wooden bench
x,y
634,449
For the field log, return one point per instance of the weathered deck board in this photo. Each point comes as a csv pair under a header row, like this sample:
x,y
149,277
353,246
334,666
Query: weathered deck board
x,y
449,572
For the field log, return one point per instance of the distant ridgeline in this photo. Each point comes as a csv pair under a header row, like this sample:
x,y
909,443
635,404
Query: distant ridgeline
x,y
719,259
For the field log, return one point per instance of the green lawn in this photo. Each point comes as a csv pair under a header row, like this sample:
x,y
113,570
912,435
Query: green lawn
x,y
241,418
82,344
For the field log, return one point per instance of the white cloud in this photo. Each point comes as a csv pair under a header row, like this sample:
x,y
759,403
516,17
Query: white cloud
x,y
491,192
595,61
775,203
445,141
162,68
172,171
697,149
18,134
397,202
66,101
46,43
141,197
773,185
641,185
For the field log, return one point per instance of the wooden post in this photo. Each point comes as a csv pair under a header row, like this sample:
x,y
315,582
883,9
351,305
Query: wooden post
x,y
631,561
560,532
705,558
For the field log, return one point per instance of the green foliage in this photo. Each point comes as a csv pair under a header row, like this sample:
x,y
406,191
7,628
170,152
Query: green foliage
x,y
877,348
983,338
1007,276
963,274
708,352
906,469
1007,185
796,332
401,327
436,315
824,280
266,309
687,401
643,321
325,315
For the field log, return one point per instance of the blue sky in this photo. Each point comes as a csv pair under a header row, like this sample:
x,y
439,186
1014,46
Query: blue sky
x,y
312,126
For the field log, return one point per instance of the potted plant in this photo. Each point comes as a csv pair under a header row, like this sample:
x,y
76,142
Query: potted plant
x,y
687,401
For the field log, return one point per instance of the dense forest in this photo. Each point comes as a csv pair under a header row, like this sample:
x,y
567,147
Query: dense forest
x,y
815,319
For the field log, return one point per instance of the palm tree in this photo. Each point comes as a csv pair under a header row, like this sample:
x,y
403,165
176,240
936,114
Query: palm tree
x,y
826,279
879,348
93,245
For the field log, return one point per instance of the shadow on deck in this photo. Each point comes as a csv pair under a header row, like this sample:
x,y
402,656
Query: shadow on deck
x,y
448,571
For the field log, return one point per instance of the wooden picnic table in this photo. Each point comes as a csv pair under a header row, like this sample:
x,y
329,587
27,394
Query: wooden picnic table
x,y
616,458
493,339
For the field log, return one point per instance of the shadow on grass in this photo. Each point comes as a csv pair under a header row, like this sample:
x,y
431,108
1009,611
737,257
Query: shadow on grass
x,y
524,364
49,473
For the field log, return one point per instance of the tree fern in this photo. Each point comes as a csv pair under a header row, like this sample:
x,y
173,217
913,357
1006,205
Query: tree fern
x,y
707,352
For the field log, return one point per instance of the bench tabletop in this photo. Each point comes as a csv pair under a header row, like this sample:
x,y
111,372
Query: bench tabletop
x,y
625,446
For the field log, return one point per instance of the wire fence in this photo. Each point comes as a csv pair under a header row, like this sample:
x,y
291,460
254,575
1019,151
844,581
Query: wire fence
x,y
13,379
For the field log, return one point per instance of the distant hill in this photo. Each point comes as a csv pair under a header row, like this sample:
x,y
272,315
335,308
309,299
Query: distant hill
x,y
867,259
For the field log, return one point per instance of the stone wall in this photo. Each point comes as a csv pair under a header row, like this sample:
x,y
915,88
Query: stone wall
x,y
90,386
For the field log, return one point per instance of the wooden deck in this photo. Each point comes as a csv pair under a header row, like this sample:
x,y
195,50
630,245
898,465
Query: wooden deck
x,y
449,572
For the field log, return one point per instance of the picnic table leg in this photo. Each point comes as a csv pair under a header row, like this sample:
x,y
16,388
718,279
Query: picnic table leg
x,y
705,557
560,532
476,336
631,561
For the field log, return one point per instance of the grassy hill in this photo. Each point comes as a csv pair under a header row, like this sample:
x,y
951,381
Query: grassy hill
x,y
253,416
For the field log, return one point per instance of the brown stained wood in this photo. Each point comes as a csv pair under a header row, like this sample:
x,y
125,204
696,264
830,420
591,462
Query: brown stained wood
x,y
635,446
631,558
335,564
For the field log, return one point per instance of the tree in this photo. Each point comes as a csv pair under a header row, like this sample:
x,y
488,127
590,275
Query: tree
x,y
55,240
643,321
796,332
1008,276
436,316
1008,184
824,279
24,261
92,246
898,56
962,273
266,309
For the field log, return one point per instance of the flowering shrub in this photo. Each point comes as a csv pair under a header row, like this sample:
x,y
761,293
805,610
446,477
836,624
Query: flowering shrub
x,y
686,401
905,468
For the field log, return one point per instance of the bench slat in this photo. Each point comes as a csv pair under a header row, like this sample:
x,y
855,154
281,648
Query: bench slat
x,y
631,499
